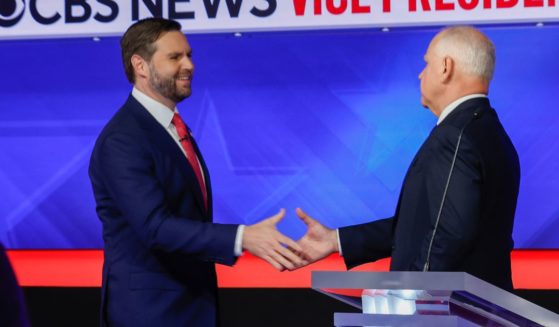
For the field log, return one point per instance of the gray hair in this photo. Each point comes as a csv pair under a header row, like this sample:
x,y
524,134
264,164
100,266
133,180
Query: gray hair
x,y
470,48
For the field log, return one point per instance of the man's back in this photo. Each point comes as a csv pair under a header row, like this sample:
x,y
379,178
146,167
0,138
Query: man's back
x,y
474,233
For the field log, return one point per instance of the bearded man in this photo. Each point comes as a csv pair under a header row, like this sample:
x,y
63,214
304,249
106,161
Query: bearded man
x,y
154,197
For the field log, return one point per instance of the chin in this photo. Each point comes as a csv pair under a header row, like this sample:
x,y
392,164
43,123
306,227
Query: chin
x,y
424,102
185,93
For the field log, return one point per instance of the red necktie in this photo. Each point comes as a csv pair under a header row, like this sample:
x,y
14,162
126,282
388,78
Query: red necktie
x,y
184,138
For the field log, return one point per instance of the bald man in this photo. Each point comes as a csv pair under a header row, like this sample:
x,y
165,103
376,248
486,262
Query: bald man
x,y
456,207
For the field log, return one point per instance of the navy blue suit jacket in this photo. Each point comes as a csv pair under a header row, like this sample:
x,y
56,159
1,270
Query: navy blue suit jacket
x,y
160,242
475,229
12,304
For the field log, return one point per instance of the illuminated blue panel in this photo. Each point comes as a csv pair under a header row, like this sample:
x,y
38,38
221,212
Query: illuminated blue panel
x,y
327,121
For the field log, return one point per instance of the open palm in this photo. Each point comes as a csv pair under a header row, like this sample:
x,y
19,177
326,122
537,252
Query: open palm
x,y
319,241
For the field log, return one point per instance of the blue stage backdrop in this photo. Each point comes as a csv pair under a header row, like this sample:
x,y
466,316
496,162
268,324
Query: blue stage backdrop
x,y
324,120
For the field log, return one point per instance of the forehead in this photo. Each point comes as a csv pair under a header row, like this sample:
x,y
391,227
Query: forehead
x,y
431,49
173,41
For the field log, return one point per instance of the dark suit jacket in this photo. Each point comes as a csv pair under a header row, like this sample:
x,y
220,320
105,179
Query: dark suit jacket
x,y
12,305
475,229
160,242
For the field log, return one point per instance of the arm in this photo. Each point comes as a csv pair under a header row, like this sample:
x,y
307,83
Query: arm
x,y
366,242
124,176
459,219
127,173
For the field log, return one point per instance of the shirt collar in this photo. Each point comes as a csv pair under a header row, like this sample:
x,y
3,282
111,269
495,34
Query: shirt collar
x,y
450,108
159,111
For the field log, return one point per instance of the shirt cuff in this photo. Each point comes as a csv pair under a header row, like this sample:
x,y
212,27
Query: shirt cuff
x,y
239,241
339,243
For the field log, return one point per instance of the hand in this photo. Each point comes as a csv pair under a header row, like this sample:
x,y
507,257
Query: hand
x,y
265,241
319,241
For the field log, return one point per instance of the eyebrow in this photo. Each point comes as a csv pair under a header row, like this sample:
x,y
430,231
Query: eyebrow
x,y
174,53
178,53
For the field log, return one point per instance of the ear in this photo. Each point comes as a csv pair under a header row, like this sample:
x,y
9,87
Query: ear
x,y
140,66
447,69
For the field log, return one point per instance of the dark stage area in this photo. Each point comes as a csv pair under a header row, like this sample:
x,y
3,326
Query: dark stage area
x,y
76,306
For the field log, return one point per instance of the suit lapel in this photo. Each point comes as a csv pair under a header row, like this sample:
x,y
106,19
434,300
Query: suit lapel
x,y
166,144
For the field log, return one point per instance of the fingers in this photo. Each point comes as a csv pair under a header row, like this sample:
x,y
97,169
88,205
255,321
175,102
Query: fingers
x,y
291,260
287,256
283,259
304,217
277,217
273,262
279,257
291,244
265,241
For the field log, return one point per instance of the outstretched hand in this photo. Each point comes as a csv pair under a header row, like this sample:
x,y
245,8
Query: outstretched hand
x,y
319,241
265,241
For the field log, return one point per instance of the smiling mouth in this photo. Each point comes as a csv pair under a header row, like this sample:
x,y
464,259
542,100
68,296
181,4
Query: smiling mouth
x,y
185,80
184,76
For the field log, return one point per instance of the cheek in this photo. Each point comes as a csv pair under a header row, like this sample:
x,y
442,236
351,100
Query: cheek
x,y
423,80
165,68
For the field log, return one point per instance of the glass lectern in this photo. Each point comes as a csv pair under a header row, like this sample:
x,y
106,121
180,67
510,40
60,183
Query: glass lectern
x,y
427,299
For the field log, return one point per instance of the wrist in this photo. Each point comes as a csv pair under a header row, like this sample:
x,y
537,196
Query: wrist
x,y
334,247
247,233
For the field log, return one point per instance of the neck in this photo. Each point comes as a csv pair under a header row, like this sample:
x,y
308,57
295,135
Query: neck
x,y
145,88
458,91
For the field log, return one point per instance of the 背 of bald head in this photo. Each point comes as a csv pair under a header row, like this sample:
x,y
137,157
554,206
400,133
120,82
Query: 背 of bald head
x,y
472,51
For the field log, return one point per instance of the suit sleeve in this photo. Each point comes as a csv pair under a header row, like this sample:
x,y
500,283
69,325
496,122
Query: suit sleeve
x,y
366,242
461,210
127,171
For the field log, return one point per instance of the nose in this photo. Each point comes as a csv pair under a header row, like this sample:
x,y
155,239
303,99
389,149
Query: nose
x,y
187,63
421,73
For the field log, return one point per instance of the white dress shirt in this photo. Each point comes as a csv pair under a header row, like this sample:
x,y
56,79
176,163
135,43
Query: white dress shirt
x,y
454,104
164,116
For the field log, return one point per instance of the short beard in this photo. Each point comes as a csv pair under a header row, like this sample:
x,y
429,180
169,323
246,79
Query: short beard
x,y
166,86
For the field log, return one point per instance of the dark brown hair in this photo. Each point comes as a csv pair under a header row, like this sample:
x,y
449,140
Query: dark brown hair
x,y
140,38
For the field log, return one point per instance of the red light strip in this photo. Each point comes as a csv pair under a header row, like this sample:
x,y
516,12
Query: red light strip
x,y
57,268
532,269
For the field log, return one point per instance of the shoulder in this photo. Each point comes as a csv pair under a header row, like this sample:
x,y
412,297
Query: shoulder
x,y
124,132
474,120
448,141
130,119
